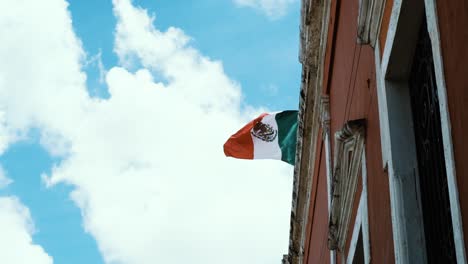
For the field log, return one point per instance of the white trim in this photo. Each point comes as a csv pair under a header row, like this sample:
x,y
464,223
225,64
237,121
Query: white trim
x,y
433,28
383,109
396,196
325,120
396,200
406,212
405,231
329,169
365,211
355,236
361,224
349,144
391,32
329,184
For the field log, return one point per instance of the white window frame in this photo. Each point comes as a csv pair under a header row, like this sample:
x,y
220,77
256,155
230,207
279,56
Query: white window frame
x,y
325,121
399,207
349,145
361,224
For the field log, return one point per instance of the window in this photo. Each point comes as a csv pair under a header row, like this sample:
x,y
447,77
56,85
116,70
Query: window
x,y
433,185
359,248
358,256
416,140
349,146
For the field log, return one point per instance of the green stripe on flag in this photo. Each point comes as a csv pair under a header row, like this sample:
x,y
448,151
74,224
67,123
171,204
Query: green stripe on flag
x,y
287,135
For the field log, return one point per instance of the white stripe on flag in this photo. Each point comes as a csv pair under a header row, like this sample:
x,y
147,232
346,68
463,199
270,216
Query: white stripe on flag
x,y
264,149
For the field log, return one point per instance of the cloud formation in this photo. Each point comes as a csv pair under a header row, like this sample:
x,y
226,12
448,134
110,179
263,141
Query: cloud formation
x,y
147,166
272,8
17,228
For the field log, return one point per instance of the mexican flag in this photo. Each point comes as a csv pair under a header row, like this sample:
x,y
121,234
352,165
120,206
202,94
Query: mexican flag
x,y
269,136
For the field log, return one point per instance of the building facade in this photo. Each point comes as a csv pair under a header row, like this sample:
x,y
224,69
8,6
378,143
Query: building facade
x,y
381,172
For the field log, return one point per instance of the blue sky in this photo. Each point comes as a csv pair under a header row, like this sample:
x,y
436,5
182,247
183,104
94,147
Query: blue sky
x,y
49,153
259,52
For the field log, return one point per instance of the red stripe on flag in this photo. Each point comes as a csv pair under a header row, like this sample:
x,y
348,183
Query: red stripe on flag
x,y
240,145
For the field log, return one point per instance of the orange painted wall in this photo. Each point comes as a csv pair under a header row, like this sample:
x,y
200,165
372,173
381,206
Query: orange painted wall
x,y
316,250
349,79
453,26
384,24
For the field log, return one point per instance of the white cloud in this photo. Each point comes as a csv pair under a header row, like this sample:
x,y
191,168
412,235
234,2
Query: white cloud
x,y
272,8
16,229
147,164
41,84
4,180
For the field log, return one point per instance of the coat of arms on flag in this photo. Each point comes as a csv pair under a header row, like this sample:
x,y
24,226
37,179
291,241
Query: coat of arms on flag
x,y
269,136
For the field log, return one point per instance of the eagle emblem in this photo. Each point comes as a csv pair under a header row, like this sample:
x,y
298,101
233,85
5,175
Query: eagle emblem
x,y
264,132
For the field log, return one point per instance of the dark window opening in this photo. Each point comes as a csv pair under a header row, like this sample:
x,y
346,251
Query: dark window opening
x,y
359,253
437,218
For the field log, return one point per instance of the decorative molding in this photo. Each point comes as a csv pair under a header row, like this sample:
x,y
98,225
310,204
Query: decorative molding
x,y
325,114
370,15
349,145
325,121
313,38
361,224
